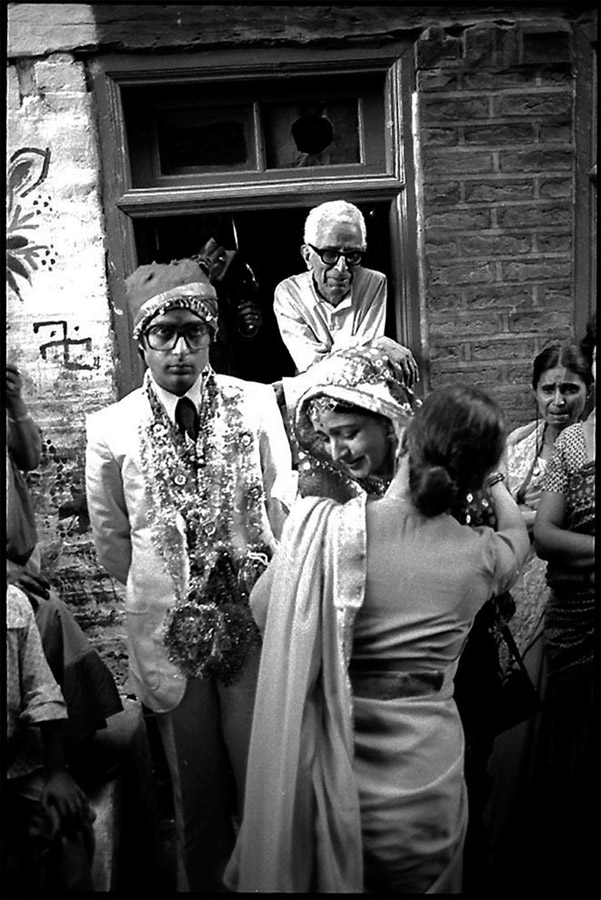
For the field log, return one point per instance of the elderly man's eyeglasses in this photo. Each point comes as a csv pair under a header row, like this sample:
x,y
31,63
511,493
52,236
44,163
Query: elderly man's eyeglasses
x,y
330,255
165,337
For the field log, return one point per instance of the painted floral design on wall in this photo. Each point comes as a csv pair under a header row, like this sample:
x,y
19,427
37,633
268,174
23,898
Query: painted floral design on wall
x,y
28,168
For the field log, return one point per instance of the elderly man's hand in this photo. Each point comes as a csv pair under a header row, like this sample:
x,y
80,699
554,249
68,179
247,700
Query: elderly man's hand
x,y
401,358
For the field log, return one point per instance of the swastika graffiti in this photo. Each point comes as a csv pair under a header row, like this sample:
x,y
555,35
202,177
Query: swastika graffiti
x,y
65,343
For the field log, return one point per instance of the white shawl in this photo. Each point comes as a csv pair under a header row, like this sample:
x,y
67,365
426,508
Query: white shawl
x,y
301,829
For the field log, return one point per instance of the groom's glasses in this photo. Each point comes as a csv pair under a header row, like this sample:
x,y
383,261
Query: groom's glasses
x,y
165,337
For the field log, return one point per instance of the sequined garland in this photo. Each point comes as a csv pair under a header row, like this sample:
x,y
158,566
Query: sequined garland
x,y
210,628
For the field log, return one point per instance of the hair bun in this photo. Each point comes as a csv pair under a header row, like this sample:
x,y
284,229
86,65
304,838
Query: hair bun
x,y
432,487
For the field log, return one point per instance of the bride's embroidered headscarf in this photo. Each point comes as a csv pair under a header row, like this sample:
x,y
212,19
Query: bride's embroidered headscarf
x,y
361,378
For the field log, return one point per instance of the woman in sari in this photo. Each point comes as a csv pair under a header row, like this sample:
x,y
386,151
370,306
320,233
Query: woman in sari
x,y
355,778
561,378
358,398
564,534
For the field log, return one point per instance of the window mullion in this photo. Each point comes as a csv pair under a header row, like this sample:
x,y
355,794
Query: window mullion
x,y
259,139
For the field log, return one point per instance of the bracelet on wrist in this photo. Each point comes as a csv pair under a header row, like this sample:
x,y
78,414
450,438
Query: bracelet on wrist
x,y
495,478
26,417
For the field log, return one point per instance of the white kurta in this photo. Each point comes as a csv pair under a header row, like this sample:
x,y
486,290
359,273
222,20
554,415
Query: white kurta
x,y
311,327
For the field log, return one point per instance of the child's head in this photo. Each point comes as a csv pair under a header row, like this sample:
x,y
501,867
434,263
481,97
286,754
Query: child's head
x,y
455,438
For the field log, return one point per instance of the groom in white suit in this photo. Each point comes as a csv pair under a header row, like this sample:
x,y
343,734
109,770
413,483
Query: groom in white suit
x,y
188,481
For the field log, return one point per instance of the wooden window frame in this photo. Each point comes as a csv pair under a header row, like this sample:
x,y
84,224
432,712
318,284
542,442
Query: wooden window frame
x,y
255,98
123,204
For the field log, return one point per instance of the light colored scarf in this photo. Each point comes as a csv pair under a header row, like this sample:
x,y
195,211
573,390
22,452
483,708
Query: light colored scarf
x,y
301,829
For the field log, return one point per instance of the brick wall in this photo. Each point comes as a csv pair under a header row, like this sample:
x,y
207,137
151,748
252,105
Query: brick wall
x,y
496,172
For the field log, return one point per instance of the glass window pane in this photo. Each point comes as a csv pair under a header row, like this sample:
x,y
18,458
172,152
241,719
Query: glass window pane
x,y
299,134
205,139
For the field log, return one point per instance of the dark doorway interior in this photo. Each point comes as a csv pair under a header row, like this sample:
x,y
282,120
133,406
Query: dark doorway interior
x,y
269,242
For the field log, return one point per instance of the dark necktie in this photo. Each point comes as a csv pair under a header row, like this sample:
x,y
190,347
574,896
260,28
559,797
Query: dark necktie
x,y
186,417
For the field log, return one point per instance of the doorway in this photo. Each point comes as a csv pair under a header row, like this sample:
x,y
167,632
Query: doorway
x,y
268,241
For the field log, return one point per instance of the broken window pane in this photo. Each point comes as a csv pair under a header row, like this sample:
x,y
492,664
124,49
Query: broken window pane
x,y
299,134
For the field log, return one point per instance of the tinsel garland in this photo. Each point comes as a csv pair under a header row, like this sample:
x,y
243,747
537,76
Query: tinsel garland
x,y
210,482
211,633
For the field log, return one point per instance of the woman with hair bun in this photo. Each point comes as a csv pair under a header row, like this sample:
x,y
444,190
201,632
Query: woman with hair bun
x,y
365,610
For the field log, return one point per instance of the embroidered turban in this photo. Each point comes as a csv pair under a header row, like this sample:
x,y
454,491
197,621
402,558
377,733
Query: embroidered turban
x,y
152,290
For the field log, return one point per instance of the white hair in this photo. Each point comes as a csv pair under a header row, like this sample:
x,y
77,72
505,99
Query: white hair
x,y
333,212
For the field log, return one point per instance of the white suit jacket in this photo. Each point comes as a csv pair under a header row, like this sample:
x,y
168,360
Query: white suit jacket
x,y
119,506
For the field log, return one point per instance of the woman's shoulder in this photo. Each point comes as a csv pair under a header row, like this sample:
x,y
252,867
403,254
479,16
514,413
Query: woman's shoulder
x,y
523,432
468,534
570,435
311,511
306,507
482,547
570,445
19,612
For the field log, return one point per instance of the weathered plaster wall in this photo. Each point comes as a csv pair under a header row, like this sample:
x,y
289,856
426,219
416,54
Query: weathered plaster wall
x,y
58,320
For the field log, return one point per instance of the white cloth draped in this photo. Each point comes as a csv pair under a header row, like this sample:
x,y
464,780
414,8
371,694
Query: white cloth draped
x,y
301,830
